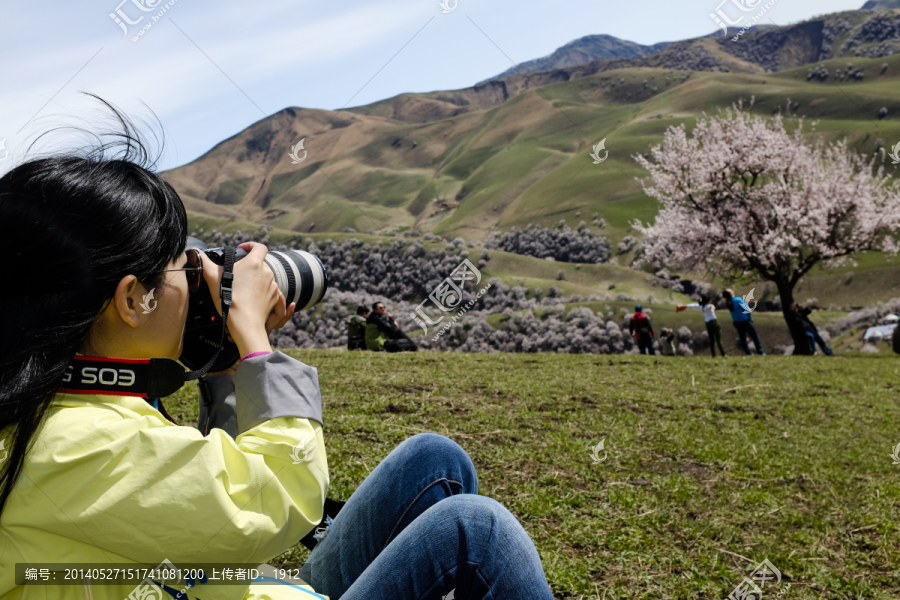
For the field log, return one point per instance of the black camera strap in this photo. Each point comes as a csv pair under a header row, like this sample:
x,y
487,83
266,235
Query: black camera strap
x,y
143,377
140,377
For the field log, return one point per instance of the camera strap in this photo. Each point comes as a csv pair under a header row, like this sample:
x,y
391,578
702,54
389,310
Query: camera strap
x,y
225,294
143,377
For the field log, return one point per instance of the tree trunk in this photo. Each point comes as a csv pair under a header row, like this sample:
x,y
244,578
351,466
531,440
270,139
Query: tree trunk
x,y
801,342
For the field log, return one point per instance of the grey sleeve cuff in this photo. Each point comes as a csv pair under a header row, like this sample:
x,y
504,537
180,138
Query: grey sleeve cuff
x,y
217,405
275,385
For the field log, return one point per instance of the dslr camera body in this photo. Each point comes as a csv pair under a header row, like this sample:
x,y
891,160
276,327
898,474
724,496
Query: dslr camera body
x,y
300,276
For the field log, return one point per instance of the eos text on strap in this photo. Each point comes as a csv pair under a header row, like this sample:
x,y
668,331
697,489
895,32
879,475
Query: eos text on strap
x,y
139,377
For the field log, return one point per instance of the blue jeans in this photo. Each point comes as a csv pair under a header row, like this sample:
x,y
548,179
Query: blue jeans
x,y
645,344
745,328
813,337
416,529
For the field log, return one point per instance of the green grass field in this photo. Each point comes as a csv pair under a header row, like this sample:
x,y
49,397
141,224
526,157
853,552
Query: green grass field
x,y
713,465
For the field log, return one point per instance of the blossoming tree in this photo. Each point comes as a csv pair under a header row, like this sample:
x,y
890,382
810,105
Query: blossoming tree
x,y
744,196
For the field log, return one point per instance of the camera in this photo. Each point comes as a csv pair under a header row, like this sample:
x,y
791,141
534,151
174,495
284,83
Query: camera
x,y
300,276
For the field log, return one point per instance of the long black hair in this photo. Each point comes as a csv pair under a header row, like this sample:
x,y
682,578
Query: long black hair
x,y
72,225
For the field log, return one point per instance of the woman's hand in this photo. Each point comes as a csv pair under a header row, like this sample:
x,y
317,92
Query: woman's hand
x,y
277,319
255,298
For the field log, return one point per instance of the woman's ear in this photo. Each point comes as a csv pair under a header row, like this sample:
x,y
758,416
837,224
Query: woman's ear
x,y
127,298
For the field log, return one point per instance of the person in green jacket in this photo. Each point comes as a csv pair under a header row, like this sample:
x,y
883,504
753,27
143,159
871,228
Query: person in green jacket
x,y
356,329
97,272
383,332
667,342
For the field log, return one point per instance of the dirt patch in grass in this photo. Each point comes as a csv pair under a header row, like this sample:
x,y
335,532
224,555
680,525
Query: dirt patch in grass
x,y
394,408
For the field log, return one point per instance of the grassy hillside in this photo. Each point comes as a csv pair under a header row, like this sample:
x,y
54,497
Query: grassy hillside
x,y
712,466
522,162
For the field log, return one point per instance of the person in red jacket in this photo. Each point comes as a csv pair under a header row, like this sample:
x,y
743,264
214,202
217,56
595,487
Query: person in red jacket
x,y
642,330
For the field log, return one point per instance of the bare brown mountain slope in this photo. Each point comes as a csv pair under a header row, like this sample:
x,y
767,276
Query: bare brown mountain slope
x,y
506,153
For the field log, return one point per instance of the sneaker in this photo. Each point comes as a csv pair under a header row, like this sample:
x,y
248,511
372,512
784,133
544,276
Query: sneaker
x,y
762,353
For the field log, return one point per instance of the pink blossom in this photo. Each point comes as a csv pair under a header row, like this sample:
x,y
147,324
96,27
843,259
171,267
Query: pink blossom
x,y
742,195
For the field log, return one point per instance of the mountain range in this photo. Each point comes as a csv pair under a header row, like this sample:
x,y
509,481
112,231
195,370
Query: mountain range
x,y
583,50
515,149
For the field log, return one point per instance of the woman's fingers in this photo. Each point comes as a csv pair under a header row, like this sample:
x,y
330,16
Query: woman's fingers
x,y
281,314
288,315
275,319
254,249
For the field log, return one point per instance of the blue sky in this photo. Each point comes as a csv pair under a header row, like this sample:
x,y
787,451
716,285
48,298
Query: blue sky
x,y
210,69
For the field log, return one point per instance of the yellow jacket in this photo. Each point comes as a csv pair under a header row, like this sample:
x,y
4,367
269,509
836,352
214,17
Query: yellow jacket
x,y
108,479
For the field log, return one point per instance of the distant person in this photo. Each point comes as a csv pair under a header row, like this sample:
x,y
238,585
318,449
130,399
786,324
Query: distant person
x,y
642,330
356,329
809,328
712,324
383,332
743,322
667,342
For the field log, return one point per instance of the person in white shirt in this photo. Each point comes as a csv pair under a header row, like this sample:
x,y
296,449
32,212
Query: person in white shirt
x,y
712,325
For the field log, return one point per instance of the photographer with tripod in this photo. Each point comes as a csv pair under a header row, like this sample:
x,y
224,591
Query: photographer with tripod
x,y
101,296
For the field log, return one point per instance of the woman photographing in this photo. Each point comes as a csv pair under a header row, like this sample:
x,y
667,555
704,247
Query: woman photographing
x,y
97,267
709,318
